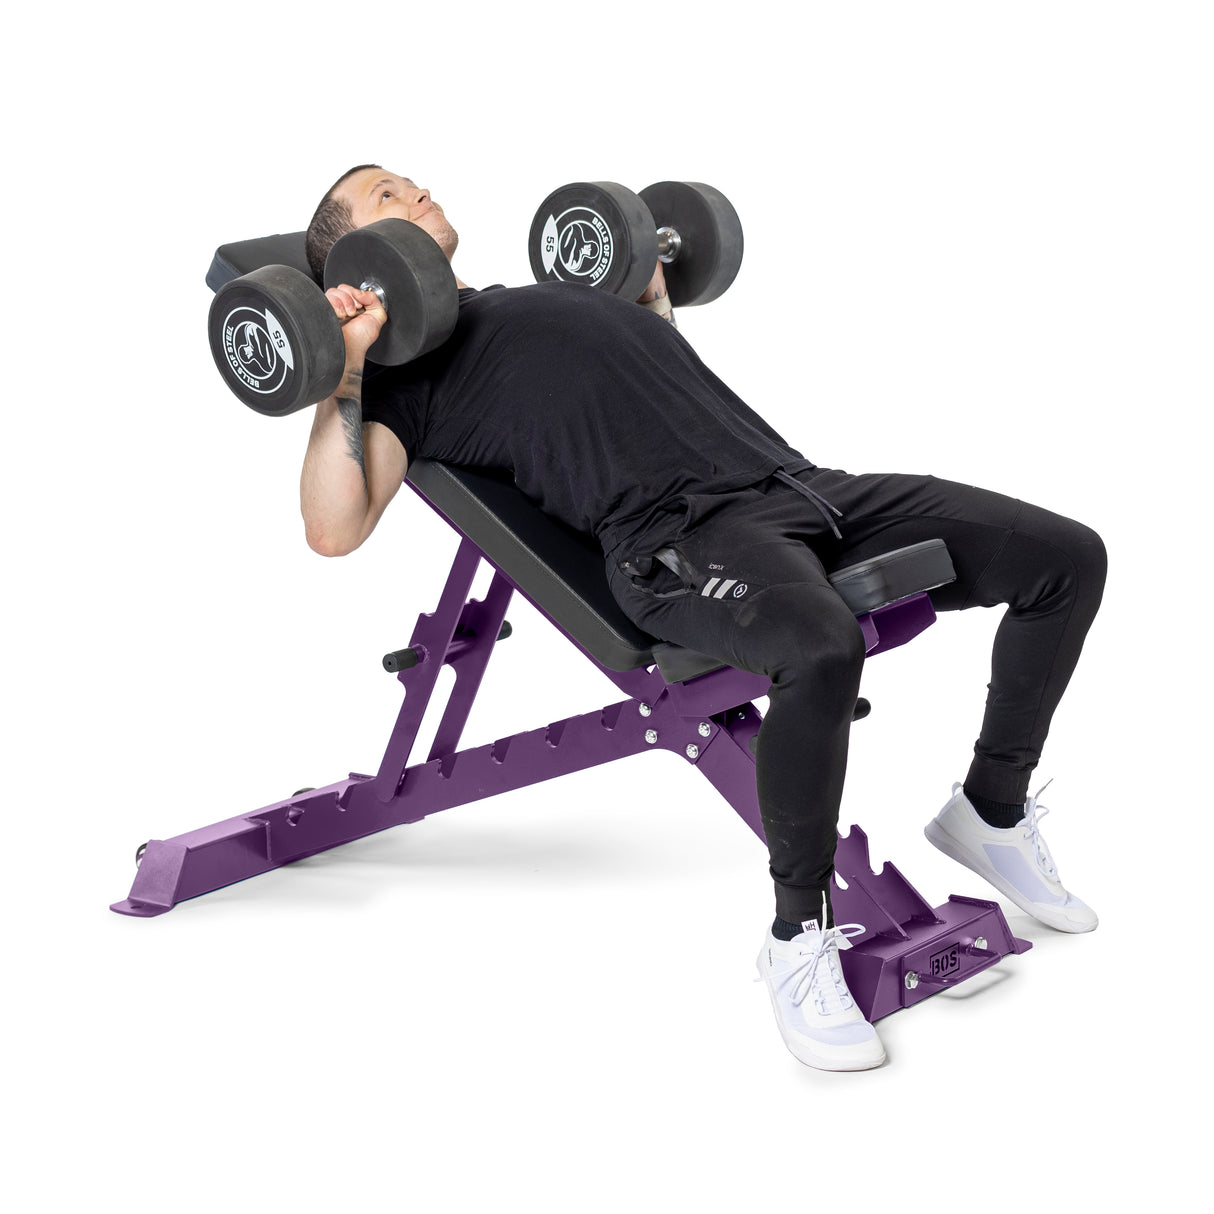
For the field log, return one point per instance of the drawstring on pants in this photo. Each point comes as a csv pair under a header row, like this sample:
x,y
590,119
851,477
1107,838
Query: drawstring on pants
x,y
825,509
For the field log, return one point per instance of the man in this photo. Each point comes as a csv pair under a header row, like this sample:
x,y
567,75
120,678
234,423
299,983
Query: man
x,y
607,418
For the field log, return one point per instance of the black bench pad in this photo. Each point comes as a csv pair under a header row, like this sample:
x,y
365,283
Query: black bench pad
x,y
891,576
561,570
244,256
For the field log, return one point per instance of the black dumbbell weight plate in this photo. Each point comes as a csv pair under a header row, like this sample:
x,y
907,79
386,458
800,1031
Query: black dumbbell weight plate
x,y
710,254
276,340
420,295
597,233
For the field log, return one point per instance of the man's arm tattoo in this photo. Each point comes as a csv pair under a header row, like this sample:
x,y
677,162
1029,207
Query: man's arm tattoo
x,y
350,408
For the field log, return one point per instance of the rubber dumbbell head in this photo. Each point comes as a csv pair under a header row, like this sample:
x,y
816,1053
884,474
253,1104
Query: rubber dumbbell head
x,y
276,340
404,265
594,232
700,239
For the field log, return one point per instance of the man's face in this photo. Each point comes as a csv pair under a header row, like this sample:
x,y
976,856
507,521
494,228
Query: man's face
x,y
375,194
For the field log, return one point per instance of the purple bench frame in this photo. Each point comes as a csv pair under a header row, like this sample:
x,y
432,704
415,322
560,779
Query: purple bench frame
x,y
908,951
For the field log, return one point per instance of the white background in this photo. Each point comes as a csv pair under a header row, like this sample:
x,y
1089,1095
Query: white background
x,y
978,245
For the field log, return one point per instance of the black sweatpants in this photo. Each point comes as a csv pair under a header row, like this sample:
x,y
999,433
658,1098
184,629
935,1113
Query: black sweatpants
x,y
788,623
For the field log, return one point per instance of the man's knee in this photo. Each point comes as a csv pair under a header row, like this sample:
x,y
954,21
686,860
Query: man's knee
x,y
808,635
1084,563
1091,558
1049,561
839,649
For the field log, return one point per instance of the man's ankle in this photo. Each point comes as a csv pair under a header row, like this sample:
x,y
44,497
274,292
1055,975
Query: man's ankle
x,y
998,814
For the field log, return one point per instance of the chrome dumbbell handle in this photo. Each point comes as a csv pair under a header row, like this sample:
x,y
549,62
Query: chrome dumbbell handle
x,y
669,244
376,289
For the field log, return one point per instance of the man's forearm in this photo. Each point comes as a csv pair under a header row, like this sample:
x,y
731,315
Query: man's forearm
x,y
333,490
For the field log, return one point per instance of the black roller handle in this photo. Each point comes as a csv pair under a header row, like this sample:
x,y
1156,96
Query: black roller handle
x,y
406,659
400,659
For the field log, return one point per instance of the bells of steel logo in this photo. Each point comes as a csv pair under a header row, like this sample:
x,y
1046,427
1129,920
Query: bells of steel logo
x,y
256,348
577,243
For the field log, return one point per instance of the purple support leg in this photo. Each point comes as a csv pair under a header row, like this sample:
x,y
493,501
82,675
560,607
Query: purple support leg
x,y
909,949
895,624
460,632
432,640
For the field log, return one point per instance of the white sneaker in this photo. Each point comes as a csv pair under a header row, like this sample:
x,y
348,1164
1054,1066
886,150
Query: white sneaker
x,y
816,1014
1015,861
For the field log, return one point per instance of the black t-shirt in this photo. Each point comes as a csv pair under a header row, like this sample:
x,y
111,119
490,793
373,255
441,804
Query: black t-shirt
x,y
599,408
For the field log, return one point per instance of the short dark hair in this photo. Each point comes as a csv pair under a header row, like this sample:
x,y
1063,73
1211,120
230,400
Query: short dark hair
x,y
330,223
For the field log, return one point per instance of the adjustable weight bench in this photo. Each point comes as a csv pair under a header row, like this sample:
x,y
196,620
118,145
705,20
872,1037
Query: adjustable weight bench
x,y
674,699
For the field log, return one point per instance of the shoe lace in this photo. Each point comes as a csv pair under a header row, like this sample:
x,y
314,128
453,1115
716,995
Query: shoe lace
x,y
1032,831
831,995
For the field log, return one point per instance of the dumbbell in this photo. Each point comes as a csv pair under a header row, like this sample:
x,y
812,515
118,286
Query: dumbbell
x,y
602,234
277,341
